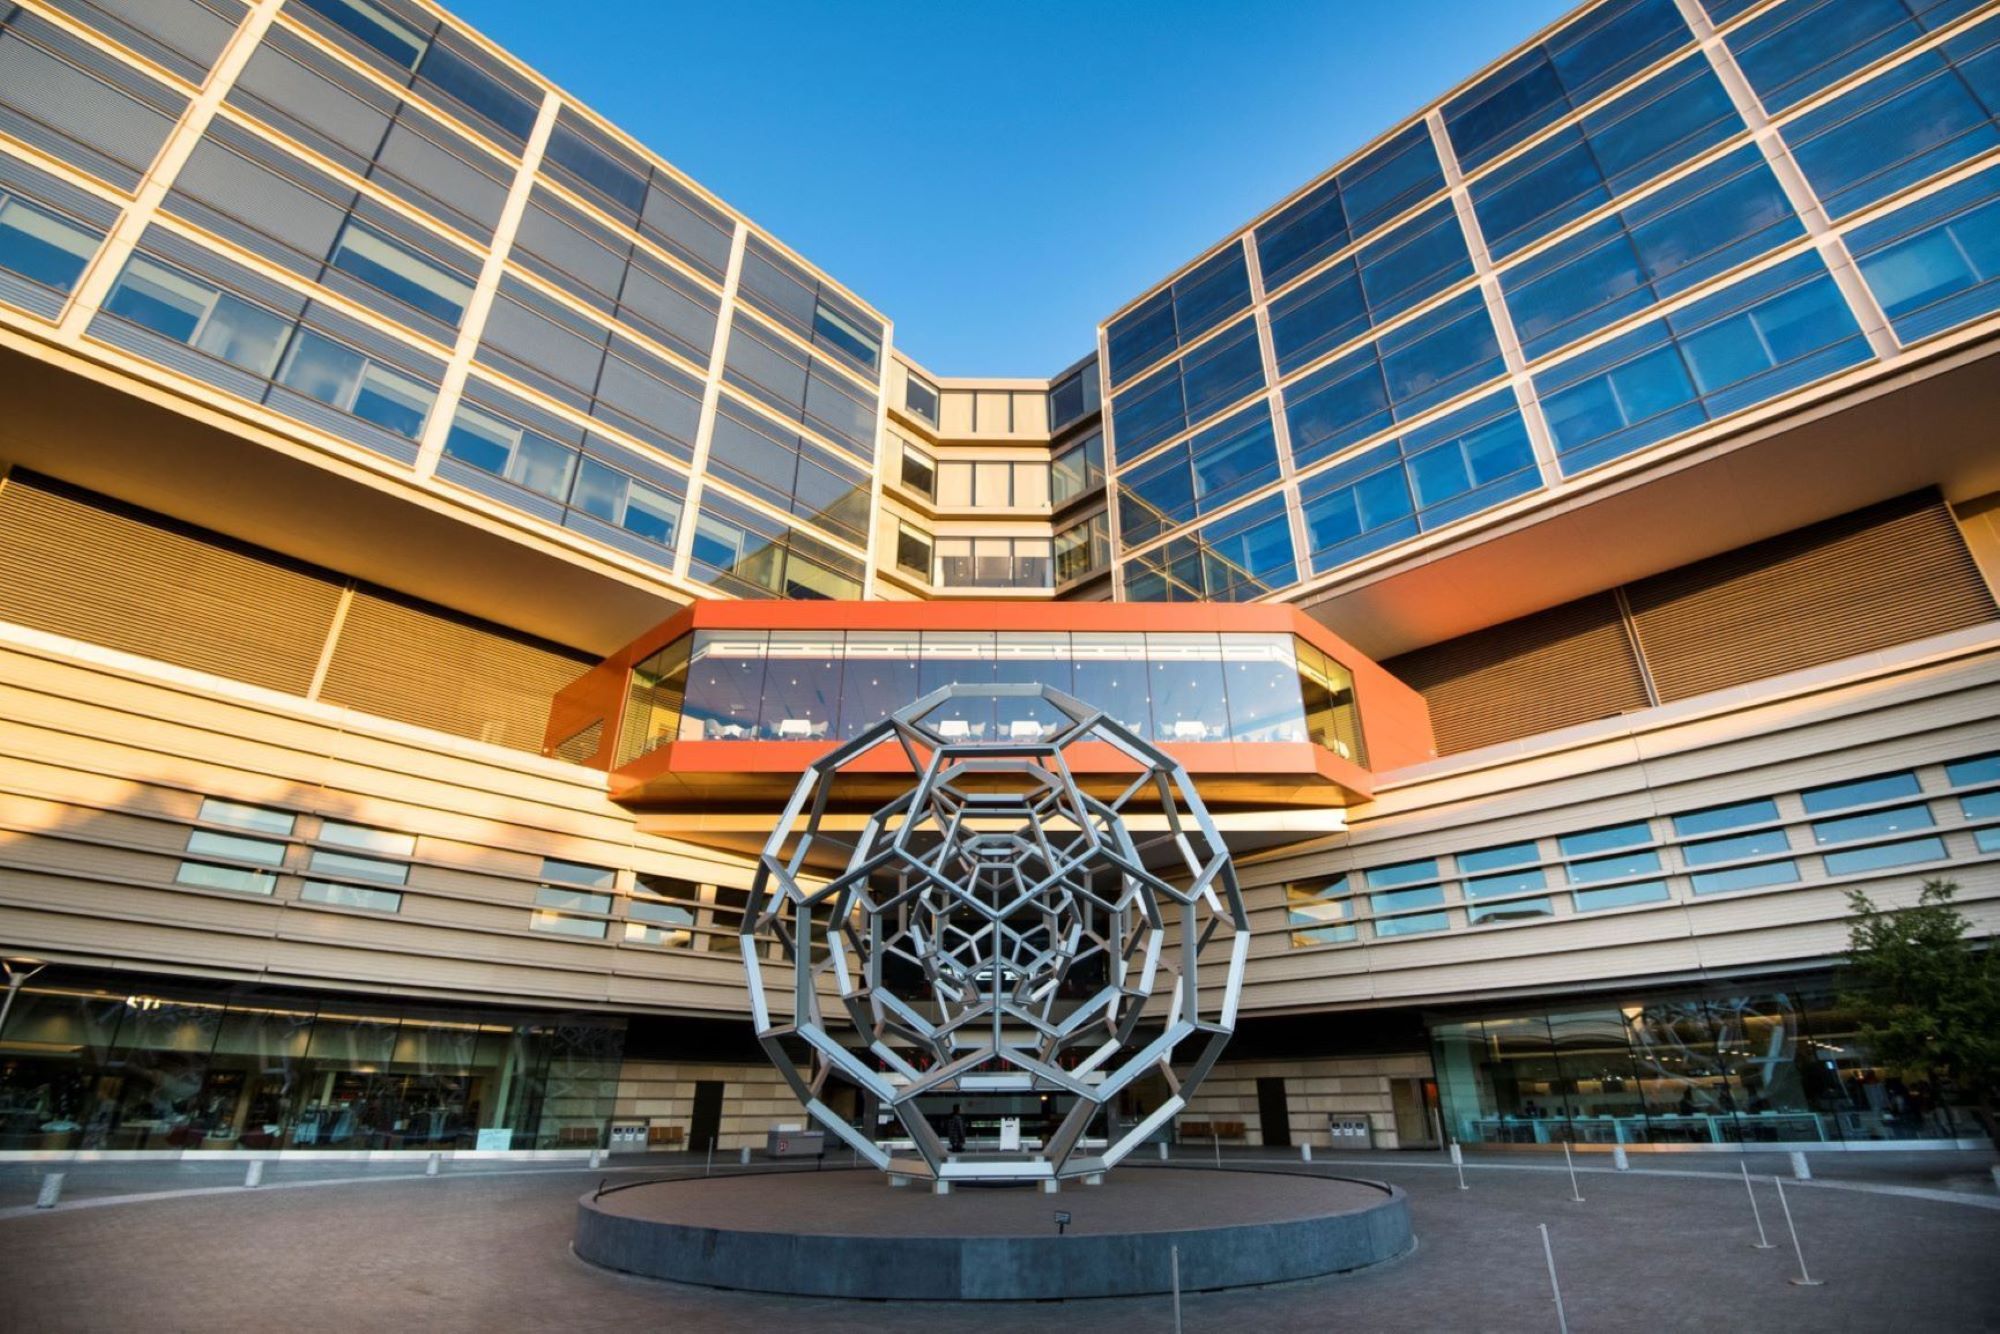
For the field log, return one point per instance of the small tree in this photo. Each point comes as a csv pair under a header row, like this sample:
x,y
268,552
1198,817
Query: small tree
x,y
1927,999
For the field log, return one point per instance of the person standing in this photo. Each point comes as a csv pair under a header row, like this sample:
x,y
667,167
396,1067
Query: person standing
x,y
954,1130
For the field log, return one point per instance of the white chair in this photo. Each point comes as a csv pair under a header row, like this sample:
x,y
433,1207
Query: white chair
x,y
795,729
954,729
1024,729
1190,729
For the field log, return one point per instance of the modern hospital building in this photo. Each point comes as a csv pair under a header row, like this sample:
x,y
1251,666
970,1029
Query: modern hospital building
x,y
1561,540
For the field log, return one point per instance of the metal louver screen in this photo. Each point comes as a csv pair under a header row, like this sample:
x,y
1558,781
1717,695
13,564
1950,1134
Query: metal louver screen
x,y
1566,665
107,577
400,662
1881,576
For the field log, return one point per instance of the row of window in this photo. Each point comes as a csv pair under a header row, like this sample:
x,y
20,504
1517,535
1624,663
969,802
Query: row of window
x,y
1080,549
1076,470
1856,827
1003,411
1236,558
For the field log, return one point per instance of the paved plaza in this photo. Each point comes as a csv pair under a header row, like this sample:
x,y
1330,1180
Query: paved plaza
x,y
1900,1240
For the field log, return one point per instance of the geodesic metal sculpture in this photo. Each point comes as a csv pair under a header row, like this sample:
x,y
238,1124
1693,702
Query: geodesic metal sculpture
x,y
997,929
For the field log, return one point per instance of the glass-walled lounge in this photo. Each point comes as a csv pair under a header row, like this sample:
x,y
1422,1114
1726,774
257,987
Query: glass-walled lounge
x,y
169,1066
1724,1068
832,685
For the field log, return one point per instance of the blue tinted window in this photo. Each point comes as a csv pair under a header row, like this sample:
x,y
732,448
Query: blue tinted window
x,y
1620,896
1799,48
1516,910
1852,861
1426,897
400,272
1183,393
193,311
1720,216
1317,316
1404,873
1196,302
1440,354
1494,859
1872,824
1859,792
1735,848
1609,44
574,149
1733,816
1234,458
1895,130
1301,234
1249,553
1390,179
1935,264
1155,496
1615,867
1470,460
1746,877
1357,507
376,28
42,246
1593,841
1336,406
478,90
1614,149
1773,332
1979,769
1423,256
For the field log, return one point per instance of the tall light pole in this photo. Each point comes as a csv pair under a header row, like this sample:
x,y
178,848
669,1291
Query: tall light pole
x,y
20,968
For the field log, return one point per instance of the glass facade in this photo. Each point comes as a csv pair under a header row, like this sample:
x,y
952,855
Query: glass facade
x,y
825,685
1778,1063
146,1065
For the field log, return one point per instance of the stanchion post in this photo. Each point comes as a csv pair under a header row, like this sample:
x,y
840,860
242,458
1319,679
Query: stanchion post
x,y
255,1176
1804,1280
1575,1195
1763,1242
743,1156
709,1166
1175,1258
1163,1151
1618,1158
1305,1153
1216,1137
51,1191
1458,1162
435,1162
1549,1254
1801,1170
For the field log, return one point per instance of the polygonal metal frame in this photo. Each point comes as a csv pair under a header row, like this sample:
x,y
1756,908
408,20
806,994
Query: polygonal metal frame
x,y
997,834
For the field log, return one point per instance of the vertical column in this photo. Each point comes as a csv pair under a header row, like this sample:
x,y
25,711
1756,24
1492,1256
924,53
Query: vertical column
x,y
480,304
1539,437
1108,428
711,394
103,270
880,472
1275,399
1832,247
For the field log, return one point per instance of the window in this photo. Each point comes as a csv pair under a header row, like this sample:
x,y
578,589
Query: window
x,y
1544,83
1768,843
1073,397
913,550
1936,263
920,398
1320,914
1614,853
1178,314
236,848
1082,548
993,562
337,867
1859,792
1609,152
1078,469
467,79
653,922
1771,333
377,28
919,471
401,272
1188,390
992,484
1984,769
342,378
1238,557
199,314
1503,873
495,445
42,246
579,156
1874,829
1400,888
574,888
350,896
1800,48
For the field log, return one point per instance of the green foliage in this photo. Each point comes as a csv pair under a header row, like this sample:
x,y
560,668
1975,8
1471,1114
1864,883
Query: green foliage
x,y
1929,1002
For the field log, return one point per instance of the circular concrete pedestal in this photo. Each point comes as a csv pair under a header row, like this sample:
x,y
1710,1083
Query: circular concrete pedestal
x,y
849,1234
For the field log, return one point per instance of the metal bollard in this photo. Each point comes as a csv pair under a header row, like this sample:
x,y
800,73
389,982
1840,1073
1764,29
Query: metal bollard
x,y
1051,1186
1305,1153
940,1187
51,1191
1800,1170
436,1163
743,1156
1163,1158
596,1157
1458,1164
255,1176
1996,1178
1618,1158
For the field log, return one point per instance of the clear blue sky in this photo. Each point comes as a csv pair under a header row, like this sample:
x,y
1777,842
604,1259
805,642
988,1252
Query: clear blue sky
x,y
997,177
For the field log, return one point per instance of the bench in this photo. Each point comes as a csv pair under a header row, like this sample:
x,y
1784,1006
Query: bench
x,y
670,1137
1191,1130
